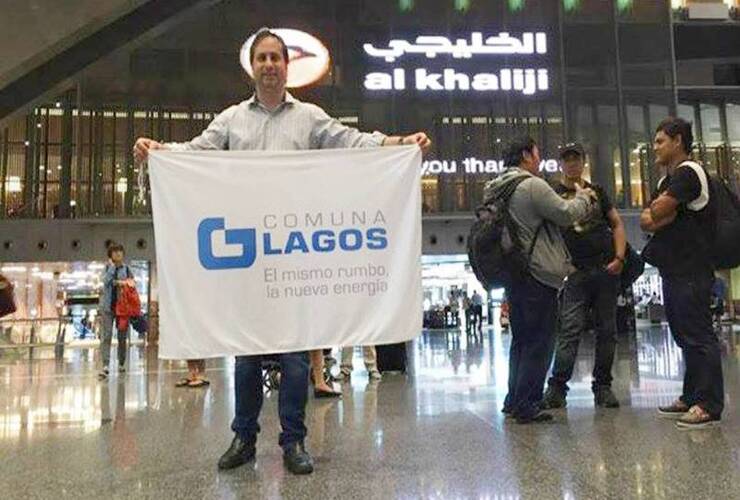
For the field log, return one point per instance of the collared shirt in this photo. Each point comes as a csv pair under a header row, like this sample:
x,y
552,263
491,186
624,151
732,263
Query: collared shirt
x,y
293,125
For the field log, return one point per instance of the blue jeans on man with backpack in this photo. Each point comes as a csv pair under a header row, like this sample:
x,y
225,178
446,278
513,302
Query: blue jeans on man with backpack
x,y
687,309
532,317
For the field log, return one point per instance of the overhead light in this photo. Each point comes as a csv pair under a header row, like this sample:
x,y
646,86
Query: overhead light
x,y
13,269
13,184
623,5
515,5
571,5
462,5
405,5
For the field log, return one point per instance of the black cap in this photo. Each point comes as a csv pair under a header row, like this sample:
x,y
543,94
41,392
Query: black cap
x,y
572,147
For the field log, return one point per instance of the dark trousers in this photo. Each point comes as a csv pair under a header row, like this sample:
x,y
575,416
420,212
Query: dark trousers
x,y
586,291
532,318
292,400
478,316
108,323
687,307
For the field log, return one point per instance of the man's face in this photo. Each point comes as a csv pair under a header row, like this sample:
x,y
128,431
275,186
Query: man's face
x,y
573,165
532,160
269,67
116,257
666,147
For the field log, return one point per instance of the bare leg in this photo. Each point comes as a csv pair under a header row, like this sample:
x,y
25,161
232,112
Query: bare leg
x,y
317,371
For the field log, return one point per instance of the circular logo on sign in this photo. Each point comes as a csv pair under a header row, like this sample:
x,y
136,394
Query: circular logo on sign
x,y
308,58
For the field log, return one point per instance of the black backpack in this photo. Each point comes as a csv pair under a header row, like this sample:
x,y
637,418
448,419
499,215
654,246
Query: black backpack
x,y
494,249
725,206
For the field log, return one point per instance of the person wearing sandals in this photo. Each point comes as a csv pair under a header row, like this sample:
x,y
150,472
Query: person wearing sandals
x,y
196,372
371,363
115,274
321,388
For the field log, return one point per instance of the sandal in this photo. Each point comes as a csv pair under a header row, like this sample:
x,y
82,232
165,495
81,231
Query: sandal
x,y
199,382
183,382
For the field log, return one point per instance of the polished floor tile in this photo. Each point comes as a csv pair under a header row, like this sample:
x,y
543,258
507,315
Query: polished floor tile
x,y
434,433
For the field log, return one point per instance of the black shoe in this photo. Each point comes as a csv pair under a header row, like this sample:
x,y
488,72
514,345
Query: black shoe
x,y
296,459
554,398
603,396
239,453
535,419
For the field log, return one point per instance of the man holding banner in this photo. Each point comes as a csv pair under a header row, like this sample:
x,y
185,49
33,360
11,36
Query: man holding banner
x,y
272,120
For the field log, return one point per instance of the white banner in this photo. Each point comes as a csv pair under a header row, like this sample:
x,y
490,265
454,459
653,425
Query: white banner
x,y
268,252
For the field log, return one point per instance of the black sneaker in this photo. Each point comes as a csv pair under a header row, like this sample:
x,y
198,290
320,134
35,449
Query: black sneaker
x,y
239,453
554,398
297,460
604,397
535,419
674,411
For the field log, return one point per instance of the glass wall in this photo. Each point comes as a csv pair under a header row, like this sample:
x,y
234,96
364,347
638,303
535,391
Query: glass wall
x,y
597,71
57,302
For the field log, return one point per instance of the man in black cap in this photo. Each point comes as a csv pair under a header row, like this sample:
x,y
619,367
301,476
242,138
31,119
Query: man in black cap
x,y
597,245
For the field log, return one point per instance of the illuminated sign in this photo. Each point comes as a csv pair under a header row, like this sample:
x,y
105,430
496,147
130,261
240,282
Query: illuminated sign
x,y
308,58
431,46
473,165
523,79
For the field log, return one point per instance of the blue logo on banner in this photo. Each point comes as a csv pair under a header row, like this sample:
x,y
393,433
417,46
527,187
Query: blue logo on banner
x,y
297,242
247,238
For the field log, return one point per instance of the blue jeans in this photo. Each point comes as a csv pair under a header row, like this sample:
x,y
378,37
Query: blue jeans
x,y
585,291
532,317
293,396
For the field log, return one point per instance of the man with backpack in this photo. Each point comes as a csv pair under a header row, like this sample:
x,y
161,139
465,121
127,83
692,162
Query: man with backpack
x,y
597,245
682,222
537,268
115,275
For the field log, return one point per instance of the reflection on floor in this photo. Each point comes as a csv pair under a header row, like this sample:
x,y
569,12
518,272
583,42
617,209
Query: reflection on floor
x,y
435,433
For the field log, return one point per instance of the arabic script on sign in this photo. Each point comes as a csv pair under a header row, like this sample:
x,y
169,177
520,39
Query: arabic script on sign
x,y
431,46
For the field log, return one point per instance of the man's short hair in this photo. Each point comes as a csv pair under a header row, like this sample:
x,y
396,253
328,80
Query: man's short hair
x,y
263,33
673,127
514,154
115,247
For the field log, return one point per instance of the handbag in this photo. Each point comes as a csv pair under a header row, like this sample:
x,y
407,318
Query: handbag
x,y
7,297
634,266
128,304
